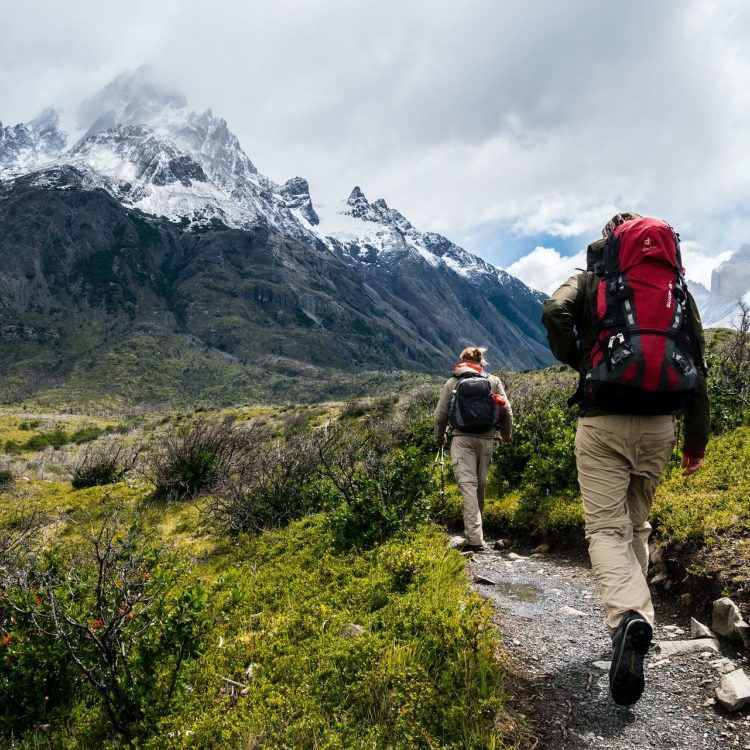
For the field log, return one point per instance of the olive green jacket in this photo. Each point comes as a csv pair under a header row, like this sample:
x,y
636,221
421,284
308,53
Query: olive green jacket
x,y
569,317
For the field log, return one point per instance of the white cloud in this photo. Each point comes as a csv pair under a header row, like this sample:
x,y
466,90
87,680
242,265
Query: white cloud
x,y
458,114
545,269
698,264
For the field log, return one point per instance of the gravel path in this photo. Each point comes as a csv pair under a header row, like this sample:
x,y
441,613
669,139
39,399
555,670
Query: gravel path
x,y
549,613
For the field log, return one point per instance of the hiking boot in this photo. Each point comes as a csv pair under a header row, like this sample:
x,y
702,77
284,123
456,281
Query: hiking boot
x,y
466,547
629,645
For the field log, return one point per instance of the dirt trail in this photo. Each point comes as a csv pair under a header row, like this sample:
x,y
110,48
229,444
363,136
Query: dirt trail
x,y
552,623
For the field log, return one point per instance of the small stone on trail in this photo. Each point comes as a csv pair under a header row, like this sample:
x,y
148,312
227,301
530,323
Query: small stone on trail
x,y
709,702
658,578
699,630
673,648
485,581
499,544
686,600
725,666
603,665
734,690
659,663
514,557
572,611
542,549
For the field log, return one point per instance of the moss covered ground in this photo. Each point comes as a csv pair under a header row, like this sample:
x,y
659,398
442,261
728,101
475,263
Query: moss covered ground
x,y
285,638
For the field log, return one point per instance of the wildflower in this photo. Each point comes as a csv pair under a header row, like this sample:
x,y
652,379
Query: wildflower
x,y
7,639
38,601
96,624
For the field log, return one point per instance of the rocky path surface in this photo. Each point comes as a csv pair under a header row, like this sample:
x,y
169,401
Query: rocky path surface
x,y
549,613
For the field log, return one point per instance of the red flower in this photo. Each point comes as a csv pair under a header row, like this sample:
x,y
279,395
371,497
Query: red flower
x,y
7,639
38,600
96,624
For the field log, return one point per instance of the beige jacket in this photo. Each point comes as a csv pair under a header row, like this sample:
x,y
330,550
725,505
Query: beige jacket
x,y
444,403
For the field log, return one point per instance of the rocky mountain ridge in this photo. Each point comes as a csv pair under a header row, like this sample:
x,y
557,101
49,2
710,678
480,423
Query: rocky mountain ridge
x,y
103,231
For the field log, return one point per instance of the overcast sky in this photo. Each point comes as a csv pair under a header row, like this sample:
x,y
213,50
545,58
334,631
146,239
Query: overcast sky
x,y
514,128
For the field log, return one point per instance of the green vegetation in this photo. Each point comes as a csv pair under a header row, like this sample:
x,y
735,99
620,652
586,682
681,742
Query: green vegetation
x,y
132,618
279,576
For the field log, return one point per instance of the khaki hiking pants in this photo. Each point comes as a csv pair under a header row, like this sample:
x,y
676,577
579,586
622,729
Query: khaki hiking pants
x,y
620,459
471,458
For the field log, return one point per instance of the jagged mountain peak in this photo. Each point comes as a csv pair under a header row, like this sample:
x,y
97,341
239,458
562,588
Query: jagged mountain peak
x,y
24,145
131,99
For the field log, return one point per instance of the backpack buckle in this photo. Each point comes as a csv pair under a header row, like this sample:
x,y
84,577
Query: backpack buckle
x,y
618,350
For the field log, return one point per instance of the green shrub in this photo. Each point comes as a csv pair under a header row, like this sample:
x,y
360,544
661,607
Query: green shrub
x,y
728,359
6,478
274,483
86,434
108,618
541,457
192,459
55,439
105,464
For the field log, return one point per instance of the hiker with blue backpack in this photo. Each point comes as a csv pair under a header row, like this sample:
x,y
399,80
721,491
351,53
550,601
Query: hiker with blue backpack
x,y
475,406
630,328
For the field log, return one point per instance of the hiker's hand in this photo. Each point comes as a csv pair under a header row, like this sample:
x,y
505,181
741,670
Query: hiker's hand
x,y
690,464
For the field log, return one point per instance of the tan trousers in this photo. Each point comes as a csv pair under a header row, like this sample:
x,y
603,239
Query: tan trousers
x,y
471,458
620,459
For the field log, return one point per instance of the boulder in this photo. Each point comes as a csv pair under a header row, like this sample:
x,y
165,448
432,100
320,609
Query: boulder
x,y
727,621
734,690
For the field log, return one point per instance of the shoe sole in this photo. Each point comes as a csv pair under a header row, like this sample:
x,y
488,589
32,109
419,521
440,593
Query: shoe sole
x,y
626,681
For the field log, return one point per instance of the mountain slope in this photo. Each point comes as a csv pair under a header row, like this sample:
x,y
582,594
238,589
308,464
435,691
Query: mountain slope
x,y
156,228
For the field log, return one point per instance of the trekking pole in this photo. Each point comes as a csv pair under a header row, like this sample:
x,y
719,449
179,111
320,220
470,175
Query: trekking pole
x,y
442,473
440,459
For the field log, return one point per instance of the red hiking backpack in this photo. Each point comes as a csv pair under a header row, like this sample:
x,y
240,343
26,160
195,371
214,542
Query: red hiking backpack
x,y
645,357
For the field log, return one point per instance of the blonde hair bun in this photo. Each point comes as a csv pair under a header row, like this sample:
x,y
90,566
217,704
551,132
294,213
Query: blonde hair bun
x,y
474,354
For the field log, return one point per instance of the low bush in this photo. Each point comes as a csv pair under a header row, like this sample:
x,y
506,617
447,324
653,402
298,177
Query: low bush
x,y
274,483
540,459
103,464
108,618
193,458
728,359
379,488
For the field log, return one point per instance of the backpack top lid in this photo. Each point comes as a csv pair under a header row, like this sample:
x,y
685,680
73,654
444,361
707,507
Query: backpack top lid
x,y
464,369
639,240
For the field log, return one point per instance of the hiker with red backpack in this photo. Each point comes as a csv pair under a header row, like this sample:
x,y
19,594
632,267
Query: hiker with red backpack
x,y
629,326
476,407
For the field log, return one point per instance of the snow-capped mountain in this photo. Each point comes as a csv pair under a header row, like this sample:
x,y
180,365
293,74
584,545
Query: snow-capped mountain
x,y
356,272
145,147
730,285
25,146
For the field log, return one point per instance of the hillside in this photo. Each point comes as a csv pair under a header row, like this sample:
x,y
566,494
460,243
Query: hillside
x,y
145,259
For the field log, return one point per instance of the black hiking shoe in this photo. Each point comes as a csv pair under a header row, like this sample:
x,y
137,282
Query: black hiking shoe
x,y
471,547
629,645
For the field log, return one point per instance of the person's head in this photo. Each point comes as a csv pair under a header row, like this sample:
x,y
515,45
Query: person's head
x,y
618,219
474,355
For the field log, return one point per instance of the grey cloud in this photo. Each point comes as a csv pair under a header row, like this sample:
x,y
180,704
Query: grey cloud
x,y
460,114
